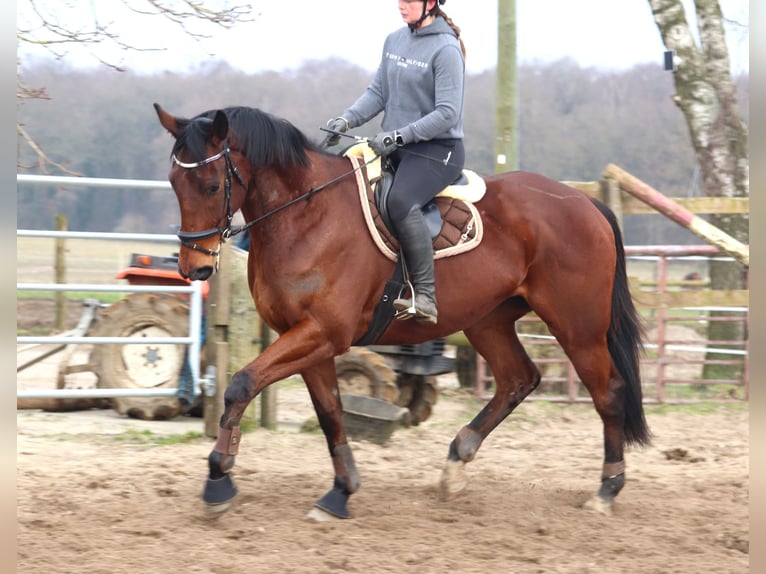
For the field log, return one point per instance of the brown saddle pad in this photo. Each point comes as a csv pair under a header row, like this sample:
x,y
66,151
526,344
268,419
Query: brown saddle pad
x,y
461,231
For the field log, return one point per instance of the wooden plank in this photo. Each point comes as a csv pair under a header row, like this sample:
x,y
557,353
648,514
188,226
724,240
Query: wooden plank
x,y
634,206
594,189
708,298
736,205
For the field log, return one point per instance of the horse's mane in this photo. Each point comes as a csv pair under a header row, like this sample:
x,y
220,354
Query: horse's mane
x,y
264,138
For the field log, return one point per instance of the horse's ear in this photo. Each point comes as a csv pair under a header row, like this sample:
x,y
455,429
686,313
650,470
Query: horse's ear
x,y
169,122
220,126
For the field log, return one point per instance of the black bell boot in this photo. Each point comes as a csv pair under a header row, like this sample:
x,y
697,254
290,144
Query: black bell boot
x,y
418,252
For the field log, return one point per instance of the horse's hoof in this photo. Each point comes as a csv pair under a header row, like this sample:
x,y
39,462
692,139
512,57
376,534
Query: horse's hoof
x,y
215,511
335,503
219,491
454,480
316,514
598,504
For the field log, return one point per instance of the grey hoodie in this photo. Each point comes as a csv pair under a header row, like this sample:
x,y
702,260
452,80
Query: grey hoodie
x,y
418,85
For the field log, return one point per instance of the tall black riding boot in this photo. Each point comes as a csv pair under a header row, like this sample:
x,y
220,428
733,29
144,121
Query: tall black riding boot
x,y
418,252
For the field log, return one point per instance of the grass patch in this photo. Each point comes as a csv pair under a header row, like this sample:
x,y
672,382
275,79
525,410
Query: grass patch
x,y
146,436
700,408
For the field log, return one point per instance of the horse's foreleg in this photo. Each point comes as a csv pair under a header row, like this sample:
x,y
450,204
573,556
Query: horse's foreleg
x,y
321,382
293,352
219,488
515,377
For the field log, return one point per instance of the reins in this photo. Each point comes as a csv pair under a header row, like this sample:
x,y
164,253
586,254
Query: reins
x,y
188,237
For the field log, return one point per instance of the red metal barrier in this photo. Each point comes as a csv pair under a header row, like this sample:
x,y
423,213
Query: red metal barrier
x,y
672,368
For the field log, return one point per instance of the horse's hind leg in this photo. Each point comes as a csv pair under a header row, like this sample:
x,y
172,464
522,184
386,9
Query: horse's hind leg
x,y
593,363
494,337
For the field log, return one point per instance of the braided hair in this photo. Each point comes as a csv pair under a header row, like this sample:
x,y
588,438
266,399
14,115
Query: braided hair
x,y
437,11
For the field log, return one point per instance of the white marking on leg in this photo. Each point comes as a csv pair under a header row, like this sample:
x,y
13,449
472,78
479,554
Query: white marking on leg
x,y
454,479
316,514
598,504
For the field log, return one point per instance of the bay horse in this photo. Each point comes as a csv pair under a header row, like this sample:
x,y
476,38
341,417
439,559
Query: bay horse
x,y
316,278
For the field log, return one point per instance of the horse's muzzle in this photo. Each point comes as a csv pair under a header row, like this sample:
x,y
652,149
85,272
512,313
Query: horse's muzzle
x,y
198,273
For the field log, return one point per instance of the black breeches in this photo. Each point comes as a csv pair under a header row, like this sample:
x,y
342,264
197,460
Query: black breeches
x,y
423,169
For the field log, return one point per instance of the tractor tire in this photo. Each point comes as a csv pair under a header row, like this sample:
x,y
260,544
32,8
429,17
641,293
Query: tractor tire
x,y
364,372
418,393
138,366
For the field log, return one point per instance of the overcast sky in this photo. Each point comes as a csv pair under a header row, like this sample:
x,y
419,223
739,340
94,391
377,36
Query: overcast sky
x,y
607,34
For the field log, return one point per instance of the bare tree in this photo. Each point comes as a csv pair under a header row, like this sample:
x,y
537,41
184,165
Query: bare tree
x,y
45,24
707,98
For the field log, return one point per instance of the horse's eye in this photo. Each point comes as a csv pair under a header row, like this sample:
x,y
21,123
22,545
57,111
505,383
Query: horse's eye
x,y
213,189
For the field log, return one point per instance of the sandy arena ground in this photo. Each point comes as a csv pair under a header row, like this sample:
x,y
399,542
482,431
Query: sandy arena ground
x,y
99,493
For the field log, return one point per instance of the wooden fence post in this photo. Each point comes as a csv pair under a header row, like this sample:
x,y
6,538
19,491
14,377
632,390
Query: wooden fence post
x,y
218,310
269,394
60,272
244,324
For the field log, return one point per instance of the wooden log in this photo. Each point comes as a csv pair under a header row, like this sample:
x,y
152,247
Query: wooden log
x,y
679,214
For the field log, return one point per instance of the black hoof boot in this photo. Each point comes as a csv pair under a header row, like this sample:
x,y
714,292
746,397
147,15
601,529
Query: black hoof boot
x,y
219,490
335,501
219,487
610,487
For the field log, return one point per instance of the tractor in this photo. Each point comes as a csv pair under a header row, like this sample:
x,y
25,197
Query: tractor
x,y
404,375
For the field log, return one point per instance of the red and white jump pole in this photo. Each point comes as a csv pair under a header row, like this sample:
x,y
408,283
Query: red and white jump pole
x,y
679,214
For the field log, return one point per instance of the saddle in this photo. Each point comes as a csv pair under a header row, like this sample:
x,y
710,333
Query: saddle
x,y
454,222
452,219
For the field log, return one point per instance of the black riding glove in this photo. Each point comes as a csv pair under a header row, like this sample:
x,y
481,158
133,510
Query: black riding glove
x,y
339,124
386,142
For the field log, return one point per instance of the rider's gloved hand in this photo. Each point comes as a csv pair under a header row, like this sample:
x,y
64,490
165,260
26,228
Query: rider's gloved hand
x,y
386,142
339,124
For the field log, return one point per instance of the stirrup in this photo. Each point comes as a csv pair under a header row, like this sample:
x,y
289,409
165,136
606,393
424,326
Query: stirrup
x,y
410,311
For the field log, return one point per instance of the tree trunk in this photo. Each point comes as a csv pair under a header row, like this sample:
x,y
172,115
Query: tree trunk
x,y
707,97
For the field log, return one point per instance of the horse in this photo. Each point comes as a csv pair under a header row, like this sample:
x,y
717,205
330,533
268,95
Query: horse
x,y
316,278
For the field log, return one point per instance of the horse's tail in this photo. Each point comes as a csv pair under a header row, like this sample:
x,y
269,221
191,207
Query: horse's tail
x,y
624,340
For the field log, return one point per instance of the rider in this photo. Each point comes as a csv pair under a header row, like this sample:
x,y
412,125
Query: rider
x,y
419,88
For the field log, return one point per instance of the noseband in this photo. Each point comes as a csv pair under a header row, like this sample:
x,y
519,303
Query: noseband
x,y
188,238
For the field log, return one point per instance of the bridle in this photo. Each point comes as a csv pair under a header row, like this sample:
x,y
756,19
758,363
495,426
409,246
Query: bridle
x,y
188,238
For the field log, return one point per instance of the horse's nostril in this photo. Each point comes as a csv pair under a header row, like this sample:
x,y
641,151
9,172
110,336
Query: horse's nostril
x,y
201,273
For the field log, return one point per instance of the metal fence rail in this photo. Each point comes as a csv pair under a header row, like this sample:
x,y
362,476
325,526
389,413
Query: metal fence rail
x,y
193,340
